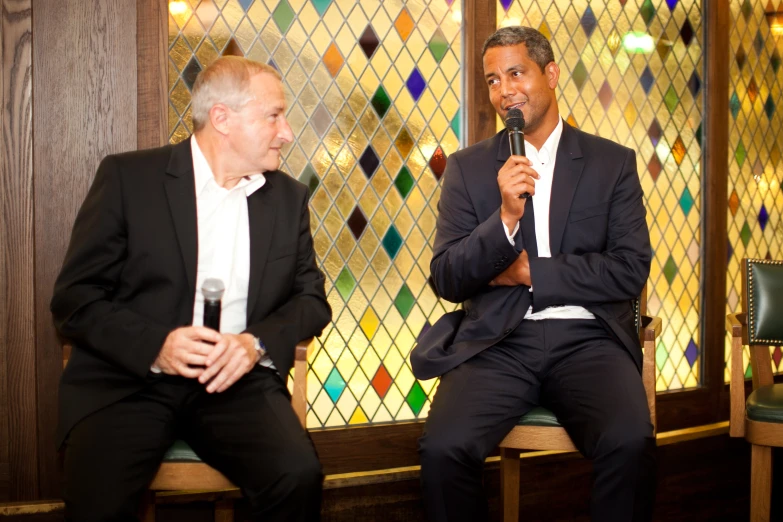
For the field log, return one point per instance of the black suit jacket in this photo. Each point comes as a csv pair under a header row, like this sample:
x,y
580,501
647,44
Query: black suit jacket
x,y
129,276
599,241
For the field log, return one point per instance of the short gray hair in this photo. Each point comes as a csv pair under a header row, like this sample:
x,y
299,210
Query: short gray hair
x,y
538,47
226,81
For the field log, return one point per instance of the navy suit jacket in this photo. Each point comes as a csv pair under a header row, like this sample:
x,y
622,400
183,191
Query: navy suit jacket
x,y
129,276
598,237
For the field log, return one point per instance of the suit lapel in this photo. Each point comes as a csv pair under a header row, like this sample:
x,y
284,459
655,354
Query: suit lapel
x,y
527,225
261,212
568,169
181,193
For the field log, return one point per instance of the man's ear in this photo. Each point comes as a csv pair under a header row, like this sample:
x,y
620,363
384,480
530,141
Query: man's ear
x,y
552,72
218,117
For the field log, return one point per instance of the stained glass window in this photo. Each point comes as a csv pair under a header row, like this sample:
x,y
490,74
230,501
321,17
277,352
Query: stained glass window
x,y
632,72
755,133
374,93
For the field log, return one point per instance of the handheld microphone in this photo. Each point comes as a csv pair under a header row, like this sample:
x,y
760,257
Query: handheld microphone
x,y
212,289
515,125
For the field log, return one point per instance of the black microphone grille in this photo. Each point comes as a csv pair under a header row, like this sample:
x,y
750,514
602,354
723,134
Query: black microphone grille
x,y
515,119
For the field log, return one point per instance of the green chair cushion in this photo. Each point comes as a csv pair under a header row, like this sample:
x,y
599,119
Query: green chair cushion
x,y
766,404
539,417
180,451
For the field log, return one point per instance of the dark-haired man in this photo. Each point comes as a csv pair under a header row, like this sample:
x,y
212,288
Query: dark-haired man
x,y
547,285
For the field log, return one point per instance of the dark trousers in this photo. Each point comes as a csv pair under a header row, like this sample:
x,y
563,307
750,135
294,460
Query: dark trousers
x,y
248,432
576,369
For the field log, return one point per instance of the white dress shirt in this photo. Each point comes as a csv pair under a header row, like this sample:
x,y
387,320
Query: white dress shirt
x,y
543,162
223,243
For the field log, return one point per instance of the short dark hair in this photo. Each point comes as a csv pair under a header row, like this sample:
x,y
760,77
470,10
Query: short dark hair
x,y
538,47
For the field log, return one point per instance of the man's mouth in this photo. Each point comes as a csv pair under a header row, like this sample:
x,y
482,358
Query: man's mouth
x,y
514,106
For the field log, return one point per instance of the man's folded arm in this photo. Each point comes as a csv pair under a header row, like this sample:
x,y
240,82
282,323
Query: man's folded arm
x,y
82,305
306,312
618,273
467,254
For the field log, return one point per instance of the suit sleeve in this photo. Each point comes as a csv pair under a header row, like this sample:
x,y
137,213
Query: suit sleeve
x,y
82,303
306,312
468,254
618,273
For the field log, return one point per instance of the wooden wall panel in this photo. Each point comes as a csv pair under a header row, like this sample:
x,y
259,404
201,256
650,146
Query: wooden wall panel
x,y
152,44
715,182
85,108
4,484
16,237
480,19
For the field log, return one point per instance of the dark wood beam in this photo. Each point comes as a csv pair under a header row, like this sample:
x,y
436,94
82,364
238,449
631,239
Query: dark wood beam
x,y
84,87
152,70
480,21
715,146
17,287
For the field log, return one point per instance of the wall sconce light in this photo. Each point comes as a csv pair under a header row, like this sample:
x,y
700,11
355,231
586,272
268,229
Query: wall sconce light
x,y
775,20
637,42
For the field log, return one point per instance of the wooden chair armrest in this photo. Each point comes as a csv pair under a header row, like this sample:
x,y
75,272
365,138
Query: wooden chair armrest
x,y
651,329
651,326
304,350
299,400
734,326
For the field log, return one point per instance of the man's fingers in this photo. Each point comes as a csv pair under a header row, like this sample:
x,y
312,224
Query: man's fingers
x,y
217,352
191,373
232,379
225,372
202,333
195,359
216,360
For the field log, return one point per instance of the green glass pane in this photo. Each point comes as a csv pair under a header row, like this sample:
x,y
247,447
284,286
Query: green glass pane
x,y
345,283
283,15
739,154
310,178
381,102
670,269
661,354
579,75
321,5
647,11
392,242
671,99
404,301
438,45
404,182
745,234
455,124
416,398
686,201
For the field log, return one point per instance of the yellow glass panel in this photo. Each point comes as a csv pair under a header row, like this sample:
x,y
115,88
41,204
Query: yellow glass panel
x,y
369,323
358,417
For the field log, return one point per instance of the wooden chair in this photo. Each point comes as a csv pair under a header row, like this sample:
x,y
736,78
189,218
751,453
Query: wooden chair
x,y
540,430
759,418
182,470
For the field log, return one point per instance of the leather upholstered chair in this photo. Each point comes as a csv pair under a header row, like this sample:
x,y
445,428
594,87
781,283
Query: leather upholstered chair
x,y
182,470
540,430
759,418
